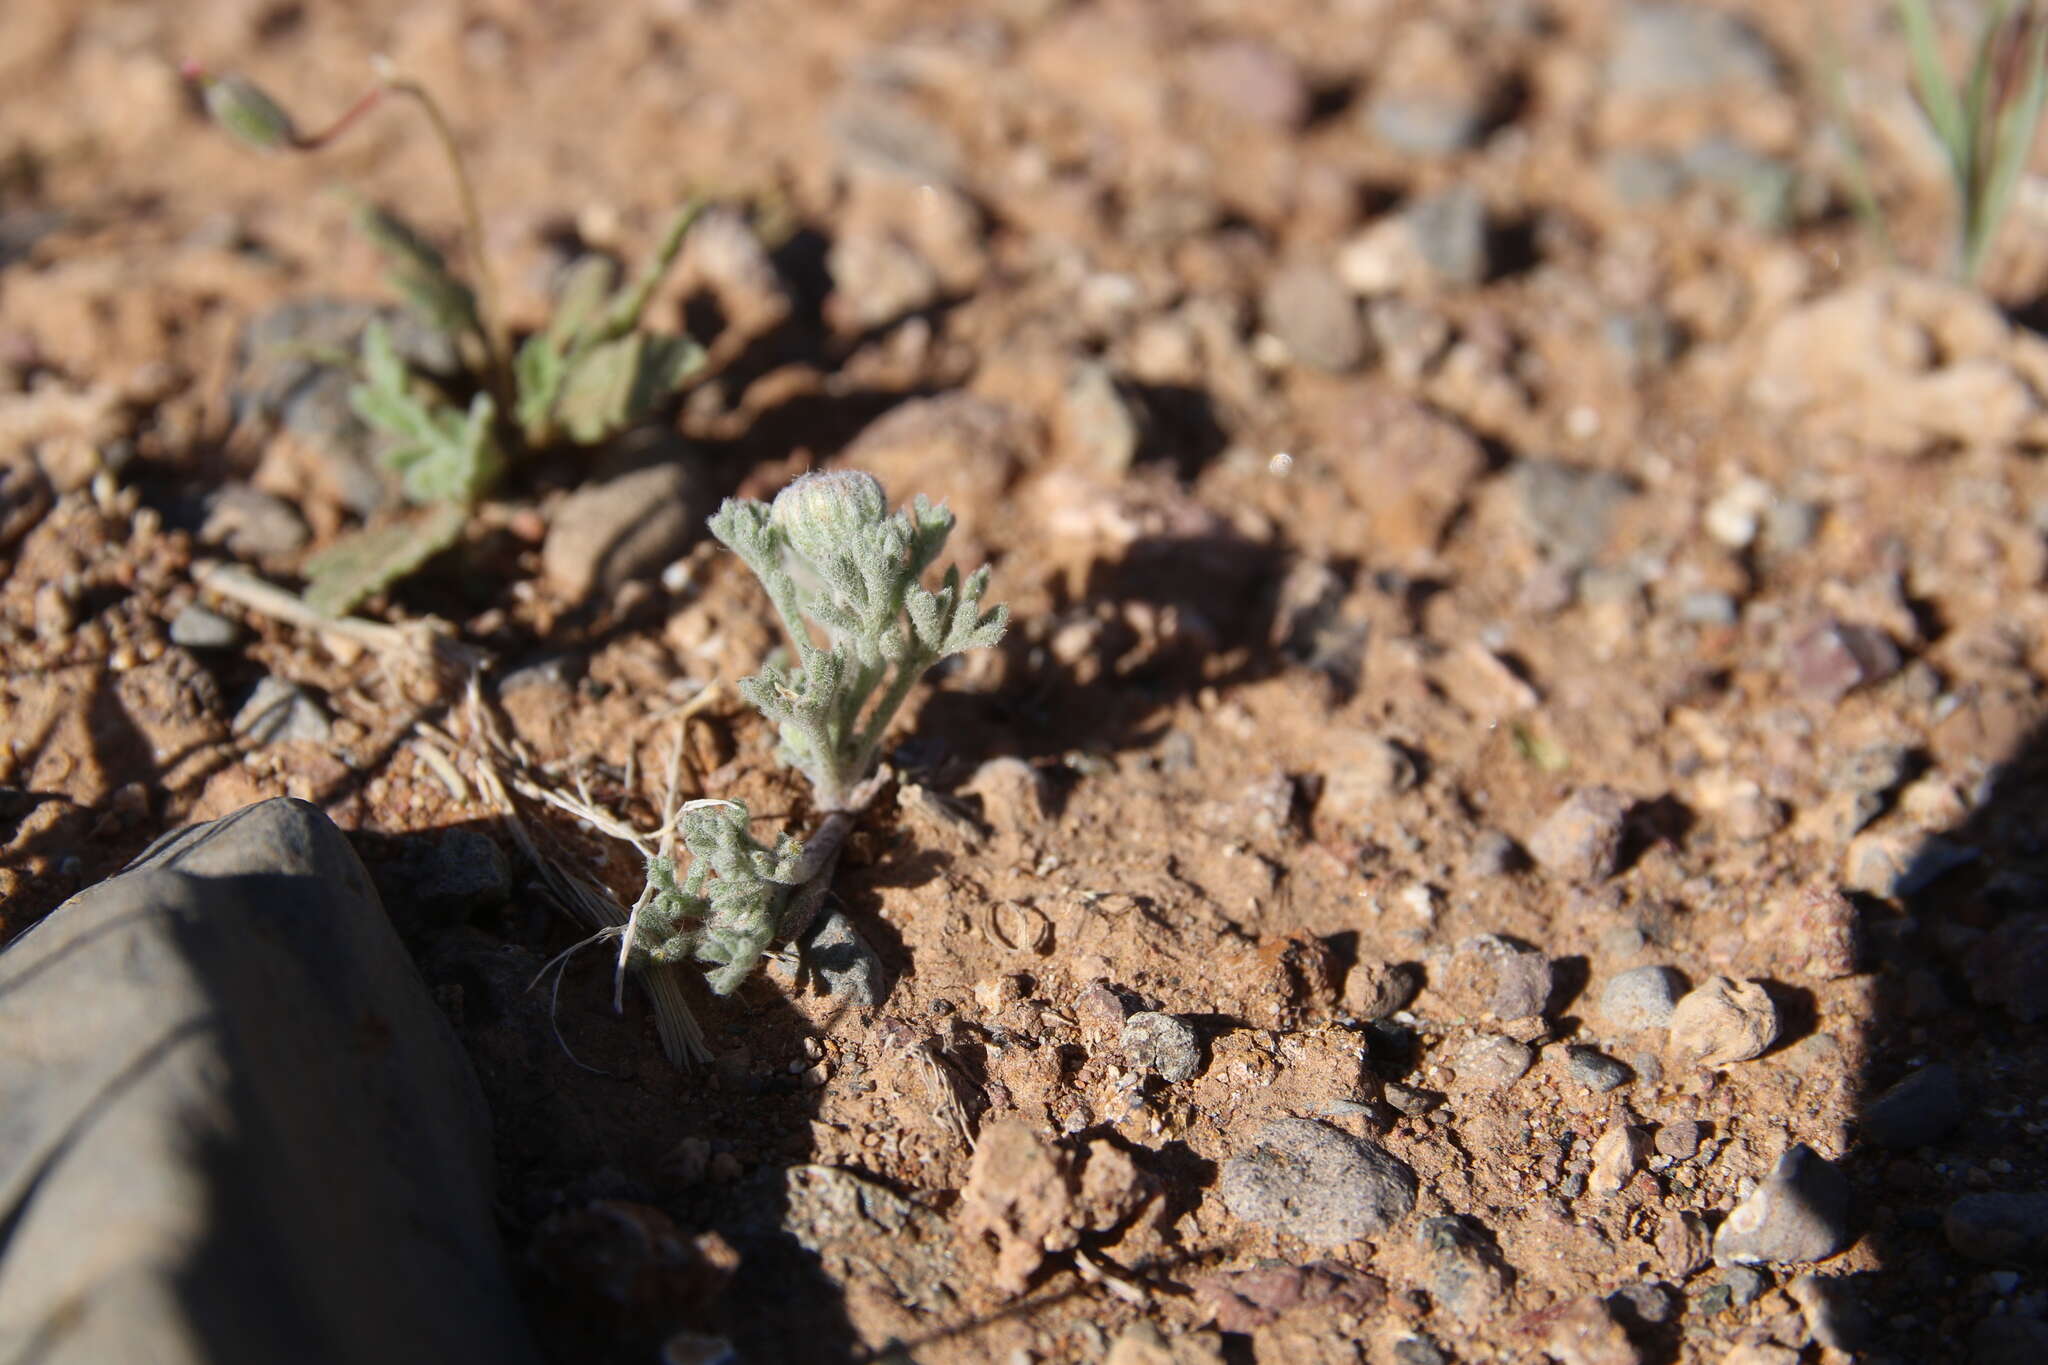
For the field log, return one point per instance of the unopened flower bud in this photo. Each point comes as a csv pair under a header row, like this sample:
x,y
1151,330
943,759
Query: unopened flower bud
x,y
826,514
241,107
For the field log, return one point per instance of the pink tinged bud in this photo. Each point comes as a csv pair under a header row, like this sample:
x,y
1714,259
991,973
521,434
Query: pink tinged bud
x,y
241,107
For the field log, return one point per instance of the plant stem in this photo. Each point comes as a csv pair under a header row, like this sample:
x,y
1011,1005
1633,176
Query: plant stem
x,y
497,350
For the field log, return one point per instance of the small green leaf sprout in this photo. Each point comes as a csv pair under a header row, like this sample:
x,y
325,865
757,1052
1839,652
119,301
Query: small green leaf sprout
x,y
589,374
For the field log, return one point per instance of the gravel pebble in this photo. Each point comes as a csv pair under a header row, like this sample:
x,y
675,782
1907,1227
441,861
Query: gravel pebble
x,y
1676,49
278,712
1873,770
1374,990
1310,310
1450,229
1582,839
1595,1070
1495,854
1641,998
197,628
1498,976
1491,1062
1831,659
1921,1109
1799,1213
607,534
1315,1182
1163,1044
1721,1022
1467,1274
1585,1332
1998,1228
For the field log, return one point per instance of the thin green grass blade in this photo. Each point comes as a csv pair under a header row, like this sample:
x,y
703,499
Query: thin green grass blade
x,y
2012,147
1938,94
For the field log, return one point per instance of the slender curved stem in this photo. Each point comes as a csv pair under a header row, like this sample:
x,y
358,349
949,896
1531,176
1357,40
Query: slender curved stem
x,y
496,348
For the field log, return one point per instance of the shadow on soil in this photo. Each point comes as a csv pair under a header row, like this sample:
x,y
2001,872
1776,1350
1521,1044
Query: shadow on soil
x,y
1953,1105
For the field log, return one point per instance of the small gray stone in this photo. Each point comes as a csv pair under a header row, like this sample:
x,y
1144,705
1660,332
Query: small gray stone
x,y
197,628
1315,1182
1421,124
1836,1320
844,963
1595,1070
1419,1351
1100,427
1790,525
1410,1100
1679,1139
252,524
279,712
1672,48
1643,1304
1566,510
1315,316
1450,230
1707,609
1921,1109
1467,1274
1799,1213
1163,1044
1999,1228
1582,839
1873,770
1492,1062
608,534
1493,975
1640,177
1643,338
1761,186
1495,854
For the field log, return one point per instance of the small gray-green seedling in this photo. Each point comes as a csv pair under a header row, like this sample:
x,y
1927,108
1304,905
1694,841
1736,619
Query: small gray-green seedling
x,y
592,372
844,574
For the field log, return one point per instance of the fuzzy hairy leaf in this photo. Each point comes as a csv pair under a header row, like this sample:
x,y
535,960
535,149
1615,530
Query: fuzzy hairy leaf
x,y
441,454
419,271
367,562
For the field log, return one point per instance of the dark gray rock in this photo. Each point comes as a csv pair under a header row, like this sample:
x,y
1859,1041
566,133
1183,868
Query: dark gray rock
x,y
1163,1044
1596,1070
1450,229
278,712
1566,509
1833,1315
1999,1228
1495,854
1675,48
261,1142
1315,1182
1922,1108
1799,1213
1466,1272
